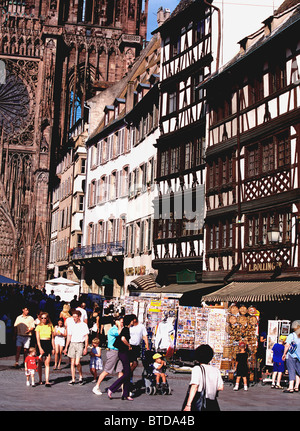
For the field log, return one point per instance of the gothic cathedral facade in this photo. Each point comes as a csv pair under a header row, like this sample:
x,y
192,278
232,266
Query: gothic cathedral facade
x,y
54,56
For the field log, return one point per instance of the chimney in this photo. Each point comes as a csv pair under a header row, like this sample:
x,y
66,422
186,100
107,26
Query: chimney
x,y
129,96
162,15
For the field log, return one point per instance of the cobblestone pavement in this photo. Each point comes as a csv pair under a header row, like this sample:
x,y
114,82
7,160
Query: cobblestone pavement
x,y
16,396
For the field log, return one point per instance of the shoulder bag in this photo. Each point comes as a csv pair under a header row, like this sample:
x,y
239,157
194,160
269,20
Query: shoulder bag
x,y
293,348
199,401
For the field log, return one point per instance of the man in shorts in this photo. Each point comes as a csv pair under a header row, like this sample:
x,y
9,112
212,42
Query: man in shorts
x,y
138,333
23,327
77,345
112,364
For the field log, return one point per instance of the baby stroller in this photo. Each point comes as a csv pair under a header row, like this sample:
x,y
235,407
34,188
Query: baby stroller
x,y
149,378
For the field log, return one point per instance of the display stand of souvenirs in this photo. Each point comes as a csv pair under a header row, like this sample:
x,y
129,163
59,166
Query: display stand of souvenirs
x,y
242,326
222,328
275,329
202,325
157,314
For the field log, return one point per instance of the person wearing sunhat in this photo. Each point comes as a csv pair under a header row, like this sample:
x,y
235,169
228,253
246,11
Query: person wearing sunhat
x,y
291,355
159,366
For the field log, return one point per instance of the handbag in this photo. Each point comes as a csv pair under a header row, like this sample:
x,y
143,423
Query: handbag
x,y
198,403
293,348
118,342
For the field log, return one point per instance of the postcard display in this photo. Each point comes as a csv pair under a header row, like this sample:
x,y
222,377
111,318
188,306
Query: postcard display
x,y
151,311
203,325
223,329
275,329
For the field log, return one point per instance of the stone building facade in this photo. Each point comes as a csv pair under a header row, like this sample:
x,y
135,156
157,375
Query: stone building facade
x,y
54,55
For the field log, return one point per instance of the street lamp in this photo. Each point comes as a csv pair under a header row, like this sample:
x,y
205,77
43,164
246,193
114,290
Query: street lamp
x,y
109,256
273,234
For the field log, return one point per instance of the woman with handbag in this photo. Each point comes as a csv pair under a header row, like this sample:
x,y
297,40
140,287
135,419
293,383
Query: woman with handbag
x,y
291,356
123,346
205,383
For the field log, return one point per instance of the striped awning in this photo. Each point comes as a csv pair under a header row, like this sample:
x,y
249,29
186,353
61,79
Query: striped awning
x,y
254,291
144,282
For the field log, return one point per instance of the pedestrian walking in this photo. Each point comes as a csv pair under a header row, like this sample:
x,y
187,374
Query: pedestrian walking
x,y
45,341
23,328
242,369
96,363
60,335
112,363
278,362
206,382
64,314
31,366
123,345
84,316
76,345
94,322
291,357
138,333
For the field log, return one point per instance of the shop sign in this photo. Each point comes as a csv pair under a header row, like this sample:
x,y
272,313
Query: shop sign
x,y
155,306
264,266
138,270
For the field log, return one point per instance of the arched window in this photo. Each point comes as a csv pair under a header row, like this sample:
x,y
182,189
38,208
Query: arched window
x,y
75,108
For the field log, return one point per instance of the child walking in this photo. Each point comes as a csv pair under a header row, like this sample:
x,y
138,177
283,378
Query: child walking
x,y
96,360
60,334
278,362
241,367
31,366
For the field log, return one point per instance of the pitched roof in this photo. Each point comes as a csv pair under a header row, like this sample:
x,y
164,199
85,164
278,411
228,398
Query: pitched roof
x,y
287,4
181,7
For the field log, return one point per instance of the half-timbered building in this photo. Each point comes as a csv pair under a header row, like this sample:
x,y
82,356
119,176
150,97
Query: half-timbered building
x,y
252,157
186,59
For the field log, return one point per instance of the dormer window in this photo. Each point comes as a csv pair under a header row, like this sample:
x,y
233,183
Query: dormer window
x,y
142,90
107,112
118,106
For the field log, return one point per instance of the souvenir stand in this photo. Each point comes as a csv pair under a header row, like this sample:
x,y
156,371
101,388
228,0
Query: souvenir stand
x,y
202,325
275,329
242,325
152,310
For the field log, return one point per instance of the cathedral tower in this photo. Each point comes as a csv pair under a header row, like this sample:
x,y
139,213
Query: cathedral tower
x,y
54,56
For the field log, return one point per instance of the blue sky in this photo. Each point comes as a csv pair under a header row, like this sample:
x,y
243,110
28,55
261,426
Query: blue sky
x,y
239,17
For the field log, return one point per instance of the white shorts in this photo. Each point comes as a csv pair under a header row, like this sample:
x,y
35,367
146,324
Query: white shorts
x,y
23,341
29,372
59,341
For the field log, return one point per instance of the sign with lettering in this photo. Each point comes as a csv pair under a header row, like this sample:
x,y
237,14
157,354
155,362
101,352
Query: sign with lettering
x,y
264,266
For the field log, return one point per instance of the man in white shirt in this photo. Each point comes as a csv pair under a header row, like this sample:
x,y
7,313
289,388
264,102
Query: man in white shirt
x,y
77,342
138,333
84,316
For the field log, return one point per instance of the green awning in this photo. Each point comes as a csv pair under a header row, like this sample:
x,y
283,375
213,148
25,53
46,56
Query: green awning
x,y
107,281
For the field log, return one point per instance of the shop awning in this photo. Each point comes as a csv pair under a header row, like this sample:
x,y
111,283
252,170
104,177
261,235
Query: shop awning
x,y
184,288
254,291
5,280
144,282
